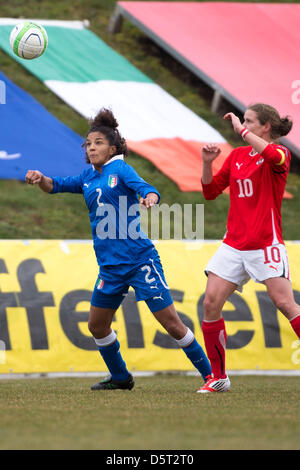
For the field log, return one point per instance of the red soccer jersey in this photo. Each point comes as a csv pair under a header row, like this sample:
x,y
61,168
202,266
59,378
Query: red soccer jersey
x,y
257,183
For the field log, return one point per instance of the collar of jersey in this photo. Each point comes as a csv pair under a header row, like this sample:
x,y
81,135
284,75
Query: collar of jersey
x,y
116,157
253,152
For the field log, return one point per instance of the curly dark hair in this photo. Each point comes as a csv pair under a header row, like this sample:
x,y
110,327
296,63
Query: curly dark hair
x,y
106,123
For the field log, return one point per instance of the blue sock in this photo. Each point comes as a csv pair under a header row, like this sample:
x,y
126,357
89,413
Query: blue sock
x,y
114,361
198,358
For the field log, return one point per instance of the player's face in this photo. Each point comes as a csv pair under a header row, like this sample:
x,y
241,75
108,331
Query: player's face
x,y
252,123
98,148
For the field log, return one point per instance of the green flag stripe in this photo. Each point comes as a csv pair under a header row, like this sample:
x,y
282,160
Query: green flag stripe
x,y
76,55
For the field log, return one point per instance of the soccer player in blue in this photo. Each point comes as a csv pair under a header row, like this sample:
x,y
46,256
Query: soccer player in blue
x,y
125,255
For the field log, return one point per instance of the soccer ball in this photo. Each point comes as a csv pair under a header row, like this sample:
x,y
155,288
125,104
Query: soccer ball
x,y
28,40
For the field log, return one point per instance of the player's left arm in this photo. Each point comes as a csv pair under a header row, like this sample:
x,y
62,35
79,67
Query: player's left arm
x,y
257,143
148,193
276,155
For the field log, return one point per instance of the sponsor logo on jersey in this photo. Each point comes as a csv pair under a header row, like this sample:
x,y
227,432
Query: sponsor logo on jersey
x,y
239,165
112,181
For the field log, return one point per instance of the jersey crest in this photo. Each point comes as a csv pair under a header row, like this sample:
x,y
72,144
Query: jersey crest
x,y
112,181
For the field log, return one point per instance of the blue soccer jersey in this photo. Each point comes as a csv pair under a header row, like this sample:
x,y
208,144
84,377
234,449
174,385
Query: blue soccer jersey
x,y
112,200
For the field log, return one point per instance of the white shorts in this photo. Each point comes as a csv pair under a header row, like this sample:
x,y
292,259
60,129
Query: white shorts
x,y
239,266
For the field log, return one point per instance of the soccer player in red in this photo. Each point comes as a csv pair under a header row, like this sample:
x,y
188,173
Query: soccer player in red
x,y
253,246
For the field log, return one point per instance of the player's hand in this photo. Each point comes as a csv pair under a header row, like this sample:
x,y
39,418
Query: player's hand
x,y
210,152
34,177
150,200
236,123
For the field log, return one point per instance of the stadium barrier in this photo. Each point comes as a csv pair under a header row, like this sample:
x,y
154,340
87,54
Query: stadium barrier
x,y
45,290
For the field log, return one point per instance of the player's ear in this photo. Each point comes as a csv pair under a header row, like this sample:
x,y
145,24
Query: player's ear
x,y
112,150
268,127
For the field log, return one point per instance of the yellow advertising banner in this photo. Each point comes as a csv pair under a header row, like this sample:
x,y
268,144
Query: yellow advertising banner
x,y
45,292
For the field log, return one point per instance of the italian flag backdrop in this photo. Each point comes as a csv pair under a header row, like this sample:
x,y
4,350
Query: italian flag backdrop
x,y
87,74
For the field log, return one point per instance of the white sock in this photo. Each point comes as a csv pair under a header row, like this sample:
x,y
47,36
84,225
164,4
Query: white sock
x,y
109,339
186,340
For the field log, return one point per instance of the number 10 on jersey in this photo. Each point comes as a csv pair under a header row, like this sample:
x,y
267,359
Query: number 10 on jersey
x,y
245,187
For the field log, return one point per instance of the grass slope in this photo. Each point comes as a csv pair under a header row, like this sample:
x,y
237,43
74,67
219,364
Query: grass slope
x,y
27,213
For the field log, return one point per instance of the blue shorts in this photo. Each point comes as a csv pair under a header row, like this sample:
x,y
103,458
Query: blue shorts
x,y
147,279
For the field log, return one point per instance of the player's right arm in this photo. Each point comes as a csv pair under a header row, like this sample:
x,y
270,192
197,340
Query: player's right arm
x,y
36,177
212,186
209,153
57,184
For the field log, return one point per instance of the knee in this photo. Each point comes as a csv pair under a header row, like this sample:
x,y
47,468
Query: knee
x,y
176,329
92,327
174,326
171,322
283,304
97,329
210,307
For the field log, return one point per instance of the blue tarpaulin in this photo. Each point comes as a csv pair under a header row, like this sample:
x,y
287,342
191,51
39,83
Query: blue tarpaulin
x,y
32,138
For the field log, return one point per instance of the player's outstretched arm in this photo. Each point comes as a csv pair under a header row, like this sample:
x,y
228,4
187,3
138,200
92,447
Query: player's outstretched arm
x,y
36,177
150,200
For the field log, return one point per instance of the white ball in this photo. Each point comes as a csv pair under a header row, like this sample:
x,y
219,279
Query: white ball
x,y
28,40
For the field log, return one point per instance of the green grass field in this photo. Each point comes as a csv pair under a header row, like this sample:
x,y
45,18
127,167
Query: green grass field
x,y
161,412
25,213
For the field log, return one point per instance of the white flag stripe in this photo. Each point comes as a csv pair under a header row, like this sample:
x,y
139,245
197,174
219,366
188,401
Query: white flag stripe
x,y
144,110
